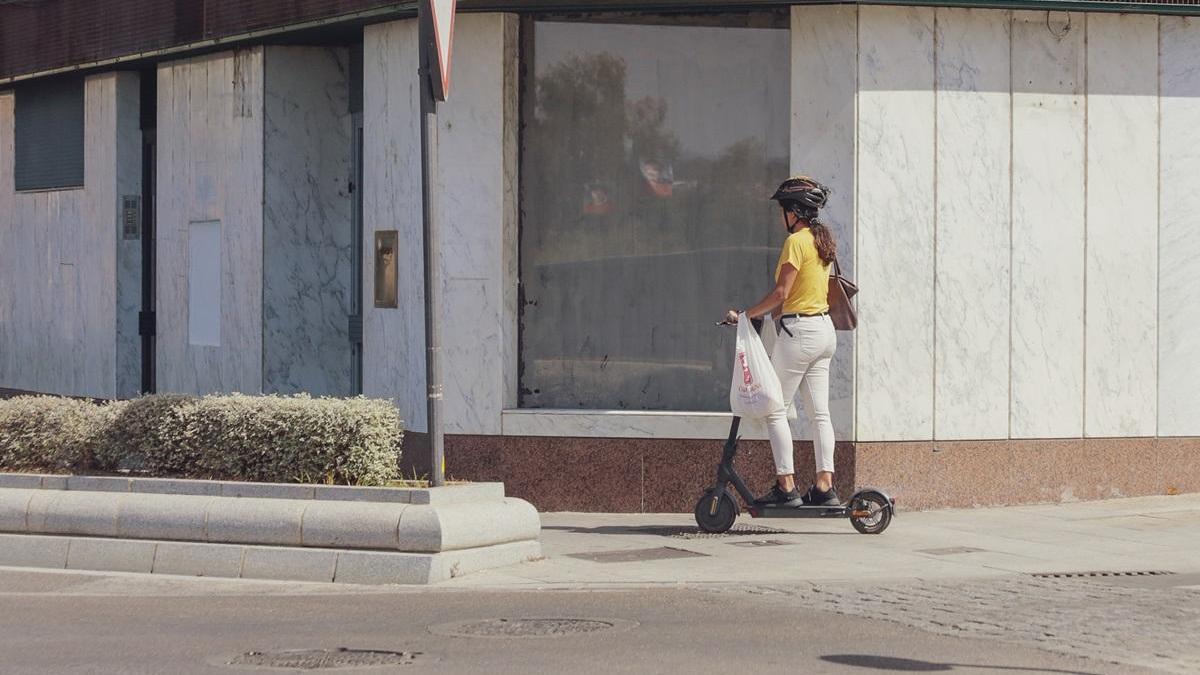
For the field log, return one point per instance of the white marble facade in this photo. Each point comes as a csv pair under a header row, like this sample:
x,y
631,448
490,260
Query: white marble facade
x,y
1011,175
393,339
1048,207
971,305
1179,229
307,237
477,188
1120,388
477,149
210,169
65,277
896,157
1012,194
824,50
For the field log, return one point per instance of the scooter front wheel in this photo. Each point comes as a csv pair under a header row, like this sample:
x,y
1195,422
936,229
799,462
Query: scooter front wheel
x,y
715,512
871,513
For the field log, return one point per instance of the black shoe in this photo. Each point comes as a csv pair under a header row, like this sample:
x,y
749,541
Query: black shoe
x,y
777,496
815,497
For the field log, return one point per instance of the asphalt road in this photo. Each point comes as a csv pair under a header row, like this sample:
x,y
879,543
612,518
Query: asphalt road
x,y
54,622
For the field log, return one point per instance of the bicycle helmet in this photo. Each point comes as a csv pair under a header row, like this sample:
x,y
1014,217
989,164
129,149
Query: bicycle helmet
x,y
802,191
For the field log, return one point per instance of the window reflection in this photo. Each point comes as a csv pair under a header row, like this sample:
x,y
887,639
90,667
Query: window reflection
x,y
648,155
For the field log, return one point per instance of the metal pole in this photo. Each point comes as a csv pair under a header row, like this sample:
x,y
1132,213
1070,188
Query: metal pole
x,y
433,344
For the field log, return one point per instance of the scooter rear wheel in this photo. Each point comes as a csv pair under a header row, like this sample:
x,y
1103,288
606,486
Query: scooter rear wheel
x,y
718,517
877,506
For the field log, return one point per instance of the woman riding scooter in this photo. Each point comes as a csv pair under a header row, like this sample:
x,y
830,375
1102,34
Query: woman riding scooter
x,y
806,342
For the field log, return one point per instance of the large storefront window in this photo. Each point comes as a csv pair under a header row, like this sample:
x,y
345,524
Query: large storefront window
x,y
649,149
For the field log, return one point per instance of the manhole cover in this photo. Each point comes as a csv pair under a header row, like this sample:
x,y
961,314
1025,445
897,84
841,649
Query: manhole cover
x,y
520,628
324,659
637,555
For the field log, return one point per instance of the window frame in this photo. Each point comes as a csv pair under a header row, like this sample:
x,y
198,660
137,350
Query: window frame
x,y
519,418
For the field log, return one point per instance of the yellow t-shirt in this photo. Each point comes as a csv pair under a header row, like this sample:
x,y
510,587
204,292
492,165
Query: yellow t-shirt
x,y
810,291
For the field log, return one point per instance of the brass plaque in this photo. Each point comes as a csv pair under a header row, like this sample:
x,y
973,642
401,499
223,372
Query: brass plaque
x,y
385,268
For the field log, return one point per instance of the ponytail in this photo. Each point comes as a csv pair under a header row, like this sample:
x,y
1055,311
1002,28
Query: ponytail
x,y
824,241
822,236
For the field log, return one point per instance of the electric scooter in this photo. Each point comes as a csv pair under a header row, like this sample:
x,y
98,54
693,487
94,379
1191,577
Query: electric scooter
x,y
870,511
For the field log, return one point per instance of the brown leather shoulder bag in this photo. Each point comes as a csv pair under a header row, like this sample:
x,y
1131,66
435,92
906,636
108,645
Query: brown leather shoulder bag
x,y
841,290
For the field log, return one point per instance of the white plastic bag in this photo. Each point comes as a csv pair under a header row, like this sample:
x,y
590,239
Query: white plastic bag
x,y
755,391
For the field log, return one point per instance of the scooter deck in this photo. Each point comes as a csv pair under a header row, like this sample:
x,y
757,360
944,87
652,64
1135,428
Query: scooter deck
x,y
783,511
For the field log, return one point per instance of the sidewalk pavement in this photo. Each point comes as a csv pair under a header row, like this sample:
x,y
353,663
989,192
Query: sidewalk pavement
x,y
596,551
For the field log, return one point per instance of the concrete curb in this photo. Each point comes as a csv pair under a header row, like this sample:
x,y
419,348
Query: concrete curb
x,y
255,562
450,494
309,523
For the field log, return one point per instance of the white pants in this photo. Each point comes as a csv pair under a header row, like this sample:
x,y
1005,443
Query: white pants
x,y
802,362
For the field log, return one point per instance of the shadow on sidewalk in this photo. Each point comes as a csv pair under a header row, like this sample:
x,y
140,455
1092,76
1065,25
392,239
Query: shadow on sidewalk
x,y
681,531
915,666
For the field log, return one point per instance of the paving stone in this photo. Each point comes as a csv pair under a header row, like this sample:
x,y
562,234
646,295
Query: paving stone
x,y
267,490
457,494
32,550
171,486
1082,617
172,517
98,483
335,524
199,560
67,512
54,482
255,521
110,555
363,494
453,564
14,505
455,526
23,481
373,567
289,564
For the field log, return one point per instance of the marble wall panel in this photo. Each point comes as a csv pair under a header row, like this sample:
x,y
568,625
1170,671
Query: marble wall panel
x,y
1179,229
307,237
393,339
1122,225
128,182
58,261
210,168
971,308
895,223
476,204
824,78
1048,118
10,240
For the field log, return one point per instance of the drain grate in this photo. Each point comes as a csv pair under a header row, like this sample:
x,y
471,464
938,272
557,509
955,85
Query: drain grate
x,y
637,555
325,659
521,628
1087,575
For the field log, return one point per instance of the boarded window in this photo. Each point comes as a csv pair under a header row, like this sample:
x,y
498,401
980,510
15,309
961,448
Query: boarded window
x,y
49,134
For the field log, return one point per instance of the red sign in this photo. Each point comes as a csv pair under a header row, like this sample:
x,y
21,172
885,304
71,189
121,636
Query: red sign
x,y
441,13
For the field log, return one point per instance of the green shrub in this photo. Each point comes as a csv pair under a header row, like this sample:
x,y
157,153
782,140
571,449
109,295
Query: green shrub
x,y
51,434
255,438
